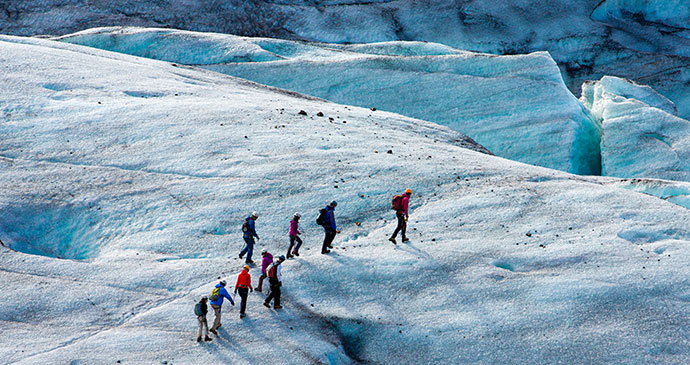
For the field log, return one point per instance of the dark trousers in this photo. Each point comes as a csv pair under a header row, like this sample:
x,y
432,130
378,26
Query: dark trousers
x,y
274,294
243,292
248,248
402,225
292,243
328,239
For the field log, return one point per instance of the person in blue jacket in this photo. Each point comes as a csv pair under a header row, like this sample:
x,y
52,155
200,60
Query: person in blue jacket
x,y
217,304
330,228
249,232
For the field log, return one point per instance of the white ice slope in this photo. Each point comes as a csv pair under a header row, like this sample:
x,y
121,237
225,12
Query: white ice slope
x,y
516,106
641,135
507,263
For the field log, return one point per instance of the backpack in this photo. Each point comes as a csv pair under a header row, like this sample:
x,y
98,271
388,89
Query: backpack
x,y
215,294
197,309
245,226
397,202
321,220
272,272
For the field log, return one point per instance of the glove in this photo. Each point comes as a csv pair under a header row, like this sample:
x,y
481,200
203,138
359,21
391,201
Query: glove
x,y
257,238
251,290
406,218
235,291
337,231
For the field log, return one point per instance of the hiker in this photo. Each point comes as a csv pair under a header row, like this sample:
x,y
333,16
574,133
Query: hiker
x,y
294,236
266,261
243,286
249,233
400,205
274,279
216,297
327,220
200,309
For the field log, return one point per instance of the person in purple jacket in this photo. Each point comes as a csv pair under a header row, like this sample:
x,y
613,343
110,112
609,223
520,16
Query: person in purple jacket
x,y
294,236
266,260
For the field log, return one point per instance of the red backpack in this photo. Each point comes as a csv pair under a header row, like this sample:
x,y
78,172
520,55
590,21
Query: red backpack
x,y
273,272
397,202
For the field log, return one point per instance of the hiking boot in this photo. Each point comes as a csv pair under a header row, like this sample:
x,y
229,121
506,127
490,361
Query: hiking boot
x,y
393,240
405,239
325,251
219,324
296,253
242,315
213,331
267,305
289,256
198,339
278,306
330,246
241,256
249,262
207,339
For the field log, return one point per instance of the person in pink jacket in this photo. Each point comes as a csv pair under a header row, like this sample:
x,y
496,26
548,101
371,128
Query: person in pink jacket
x,y
402,215
267,259
294,237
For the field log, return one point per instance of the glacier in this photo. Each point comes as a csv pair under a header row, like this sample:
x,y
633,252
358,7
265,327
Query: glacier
x,y
641,135
141,172
645,41
516,106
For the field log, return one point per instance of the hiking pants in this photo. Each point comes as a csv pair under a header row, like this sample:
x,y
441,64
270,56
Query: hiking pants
x,y
328,239
294,238
203,326
243,294
402,225
248,248
261,281
216,312
275,295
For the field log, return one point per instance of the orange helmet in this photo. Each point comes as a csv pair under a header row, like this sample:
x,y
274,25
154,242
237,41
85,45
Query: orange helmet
x,y
408,191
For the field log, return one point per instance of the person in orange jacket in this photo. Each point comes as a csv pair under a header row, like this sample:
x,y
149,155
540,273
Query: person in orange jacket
x,y
243,286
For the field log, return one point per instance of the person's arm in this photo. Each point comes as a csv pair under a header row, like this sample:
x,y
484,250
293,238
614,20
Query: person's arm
x,y
280,278
237,283
225,293
249,278
406,203
333,225
254,229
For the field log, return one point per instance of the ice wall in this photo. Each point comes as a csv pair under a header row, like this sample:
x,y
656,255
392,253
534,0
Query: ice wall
x,y
516,106
642,137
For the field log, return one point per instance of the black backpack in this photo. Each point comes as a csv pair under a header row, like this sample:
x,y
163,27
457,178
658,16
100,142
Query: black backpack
x,y
321,219
245,226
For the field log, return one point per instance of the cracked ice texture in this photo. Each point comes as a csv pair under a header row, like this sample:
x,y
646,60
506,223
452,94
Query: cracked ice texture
x,y
641,138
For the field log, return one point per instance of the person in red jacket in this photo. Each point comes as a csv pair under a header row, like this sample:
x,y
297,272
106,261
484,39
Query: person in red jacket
x,y
243,286
402,215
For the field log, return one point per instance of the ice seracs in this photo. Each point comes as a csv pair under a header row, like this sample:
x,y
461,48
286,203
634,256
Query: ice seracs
x,y
516,106
641,135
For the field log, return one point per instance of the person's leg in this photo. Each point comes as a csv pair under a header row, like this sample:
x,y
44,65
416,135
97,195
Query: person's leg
x,y
201,326
250,248
331,236
216,320
204,323
261,281
324,248
292,244
401,221
243,294
245,248
404,228
276,300
299,244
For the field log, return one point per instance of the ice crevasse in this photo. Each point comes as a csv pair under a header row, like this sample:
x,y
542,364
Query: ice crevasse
x,y
641,135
